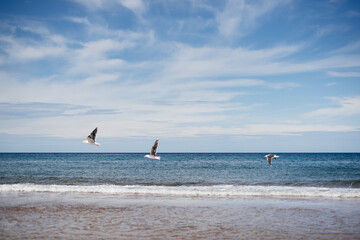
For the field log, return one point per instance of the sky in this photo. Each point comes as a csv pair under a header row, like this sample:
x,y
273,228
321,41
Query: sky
x,y
200,76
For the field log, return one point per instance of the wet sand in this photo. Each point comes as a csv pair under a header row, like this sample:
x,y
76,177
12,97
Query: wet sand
x,y
101,216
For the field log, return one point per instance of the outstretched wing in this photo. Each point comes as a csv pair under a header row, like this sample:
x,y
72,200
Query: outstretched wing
x,y
269,159
92,136
154,148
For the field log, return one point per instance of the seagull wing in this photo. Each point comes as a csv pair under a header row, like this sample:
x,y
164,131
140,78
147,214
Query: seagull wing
x,y
92,136
154,148
269,159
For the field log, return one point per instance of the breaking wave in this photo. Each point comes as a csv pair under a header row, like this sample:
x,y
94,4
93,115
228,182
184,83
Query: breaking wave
x,y
210,191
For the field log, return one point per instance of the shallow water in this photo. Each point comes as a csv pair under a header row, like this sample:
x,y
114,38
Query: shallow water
x,y
103,216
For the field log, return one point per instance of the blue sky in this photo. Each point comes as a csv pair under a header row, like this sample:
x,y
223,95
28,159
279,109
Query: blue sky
x,y
200,76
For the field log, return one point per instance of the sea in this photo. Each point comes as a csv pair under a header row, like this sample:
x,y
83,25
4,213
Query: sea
x,y
331,175
180,196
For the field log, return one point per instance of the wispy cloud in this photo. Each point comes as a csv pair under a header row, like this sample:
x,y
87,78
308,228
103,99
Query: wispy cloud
x,y
348,106
212,62
344,74
239,17
95,4
136,6
24,49
92,57
100,31
270,129
348,48
18,50
353,14
80,20
100,79
31,110
331,84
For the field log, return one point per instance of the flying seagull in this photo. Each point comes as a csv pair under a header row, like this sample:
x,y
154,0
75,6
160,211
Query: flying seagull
x,y
91,138
270,156
153,151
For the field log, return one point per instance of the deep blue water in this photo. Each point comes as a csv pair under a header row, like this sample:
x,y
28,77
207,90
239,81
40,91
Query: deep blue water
x,y
182,169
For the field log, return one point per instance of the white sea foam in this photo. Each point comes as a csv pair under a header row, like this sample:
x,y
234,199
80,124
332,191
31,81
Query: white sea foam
x,y
212,191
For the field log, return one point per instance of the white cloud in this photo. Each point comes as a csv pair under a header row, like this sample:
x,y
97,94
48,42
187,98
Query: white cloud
x,y
327,30
353,14
26,52
207,62
349,106
269,129
93,4
349,48
81,20
210,62
239,17
18,51
219,85
21,49
92,57
34,27
136,6
331,84
100,79
102,31
344,74
282,129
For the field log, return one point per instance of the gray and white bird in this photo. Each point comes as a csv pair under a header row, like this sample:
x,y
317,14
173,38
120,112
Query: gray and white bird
x,y
270,156
91,138
153,151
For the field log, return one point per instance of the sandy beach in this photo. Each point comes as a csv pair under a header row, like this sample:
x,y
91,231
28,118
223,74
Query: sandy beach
x,y
102,216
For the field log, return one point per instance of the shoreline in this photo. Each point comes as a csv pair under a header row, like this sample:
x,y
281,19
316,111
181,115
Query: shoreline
x,y
94,216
